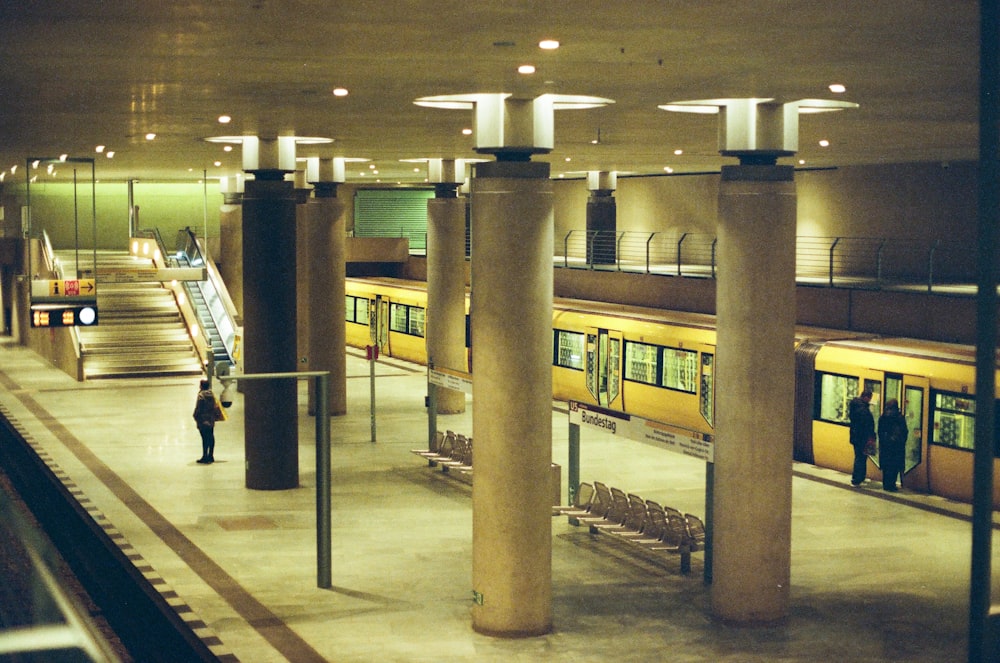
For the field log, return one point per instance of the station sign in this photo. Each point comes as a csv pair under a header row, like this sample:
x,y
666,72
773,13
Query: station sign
x,y
451,379
61,290
66,315
671,438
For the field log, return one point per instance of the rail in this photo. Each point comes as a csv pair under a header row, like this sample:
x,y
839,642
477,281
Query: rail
x,y
867,262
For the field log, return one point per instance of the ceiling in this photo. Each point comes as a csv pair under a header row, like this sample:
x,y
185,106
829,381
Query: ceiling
x,y
79,74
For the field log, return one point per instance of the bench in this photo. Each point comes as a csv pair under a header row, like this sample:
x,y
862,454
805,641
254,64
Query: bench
x,y
453,451
638,522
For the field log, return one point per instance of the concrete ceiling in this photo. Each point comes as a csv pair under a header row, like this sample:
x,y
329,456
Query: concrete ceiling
x,y
74,75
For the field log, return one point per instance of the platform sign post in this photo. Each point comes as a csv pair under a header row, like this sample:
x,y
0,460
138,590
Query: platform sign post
x,y
431,407
371,353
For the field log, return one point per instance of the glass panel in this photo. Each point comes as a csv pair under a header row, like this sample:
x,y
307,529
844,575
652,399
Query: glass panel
x,y
707,401
913,411
614,368
640,362
835,392
680,370
361,310
349,312
954,420
417,316
602,367
569,349
397,318
592,363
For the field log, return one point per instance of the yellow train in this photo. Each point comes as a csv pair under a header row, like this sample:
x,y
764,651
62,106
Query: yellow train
x,y
659,365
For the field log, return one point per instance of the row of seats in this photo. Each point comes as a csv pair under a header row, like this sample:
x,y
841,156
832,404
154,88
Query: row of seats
x,y
636,521
450,450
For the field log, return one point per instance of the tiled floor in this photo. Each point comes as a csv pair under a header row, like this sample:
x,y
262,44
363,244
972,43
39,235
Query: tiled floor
x,y
874,577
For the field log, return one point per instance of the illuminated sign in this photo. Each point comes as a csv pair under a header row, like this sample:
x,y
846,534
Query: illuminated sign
x,y
70,315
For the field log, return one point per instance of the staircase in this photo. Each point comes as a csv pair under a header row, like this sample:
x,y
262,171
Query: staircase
x,y
140,331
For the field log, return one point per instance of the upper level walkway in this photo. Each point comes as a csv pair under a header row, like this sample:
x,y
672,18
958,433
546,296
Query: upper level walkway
x,y
875,577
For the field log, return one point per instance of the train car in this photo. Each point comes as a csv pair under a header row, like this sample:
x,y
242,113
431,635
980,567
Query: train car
x,y
659,365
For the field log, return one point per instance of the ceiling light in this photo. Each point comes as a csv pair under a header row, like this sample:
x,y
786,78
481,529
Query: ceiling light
x,y
225,119
218,163
548,44
678,152
668,169
467,132
150,136
34,164
340,92
13,169
110,154
824,143
99,149
838,88
227,148
63,157
526,69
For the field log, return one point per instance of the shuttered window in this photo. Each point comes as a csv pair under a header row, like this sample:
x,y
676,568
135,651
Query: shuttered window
x,y
393,213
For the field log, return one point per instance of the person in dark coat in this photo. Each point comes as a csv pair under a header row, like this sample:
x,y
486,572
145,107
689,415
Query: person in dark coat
x,y
862,430
206,413
892,434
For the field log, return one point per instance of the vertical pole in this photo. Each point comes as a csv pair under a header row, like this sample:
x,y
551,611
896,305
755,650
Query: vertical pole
x,y
431,407
981,640
371,375
709,520
573,471
323,518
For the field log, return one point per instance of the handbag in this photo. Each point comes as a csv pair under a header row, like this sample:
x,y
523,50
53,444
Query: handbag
x,y
871,447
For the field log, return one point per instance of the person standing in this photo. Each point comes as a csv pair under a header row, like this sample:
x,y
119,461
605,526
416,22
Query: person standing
x,y
206,412
862,431
892,434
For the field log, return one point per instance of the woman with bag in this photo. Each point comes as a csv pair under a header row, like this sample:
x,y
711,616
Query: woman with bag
x,y
206,412
862,434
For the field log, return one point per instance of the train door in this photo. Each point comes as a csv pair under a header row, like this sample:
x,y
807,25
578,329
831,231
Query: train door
x,y
604,367
378,323
913,405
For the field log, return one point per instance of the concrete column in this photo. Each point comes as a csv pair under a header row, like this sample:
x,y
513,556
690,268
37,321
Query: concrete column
x,y
302,194
754,395
325,273
602,218
512,230
270,416
446,291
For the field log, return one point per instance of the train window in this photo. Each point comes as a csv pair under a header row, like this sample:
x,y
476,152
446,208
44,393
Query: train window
x,y
417,316
568,349
954,420
641,361
362,307
680,370
397,318
833,393
356,310
707,400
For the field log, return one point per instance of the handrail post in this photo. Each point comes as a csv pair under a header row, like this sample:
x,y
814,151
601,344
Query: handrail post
x,y
832,247
679,242
648,241
618,250
566,249
715,241
930,266
878,264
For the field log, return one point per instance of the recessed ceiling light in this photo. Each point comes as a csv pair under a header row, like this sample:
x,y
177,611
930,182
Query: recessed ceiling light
x,y
526,69
548,44
824,143
110,154
218,163
678,152
467,132
668,169
225,119
838,88
340,92
63,157
150,136
99,149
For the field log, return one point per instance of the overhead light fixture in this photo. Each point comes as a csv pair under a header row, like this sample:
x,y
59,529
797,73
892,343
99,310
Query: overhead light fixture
x,y
110,154
838,88
824,143
467,132
526,69
63,157
340,92
678,152
99,149
548,44
150,136
225,119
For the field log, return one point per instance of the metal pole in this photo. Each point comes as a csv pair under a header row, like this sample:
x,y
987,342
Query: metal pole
x,y
431,408
981,640
573,471
709,506
323,483
371,374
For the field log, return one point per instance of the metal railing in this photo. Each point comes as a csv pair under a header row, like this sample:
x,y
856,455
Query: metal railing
x,y
870,262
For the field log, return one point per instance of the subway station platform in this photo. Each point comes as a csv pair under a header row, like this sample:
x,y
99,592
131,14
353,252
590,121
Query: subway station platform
x,y
875,576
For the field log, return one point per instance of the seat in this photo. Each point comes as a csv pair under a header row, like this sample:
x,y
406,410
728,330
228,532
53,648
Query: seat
x,y
675,539
581,502
432,447
655,525
599,506
614,519
696,531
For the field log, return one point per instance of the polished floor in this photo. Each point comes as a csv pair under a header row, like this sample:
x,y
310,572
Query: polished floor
x,y
875,577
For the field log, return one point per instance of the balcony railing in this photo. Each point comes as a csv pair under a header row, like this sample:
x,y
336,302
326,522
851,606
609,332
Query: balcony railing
x,y
831,261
